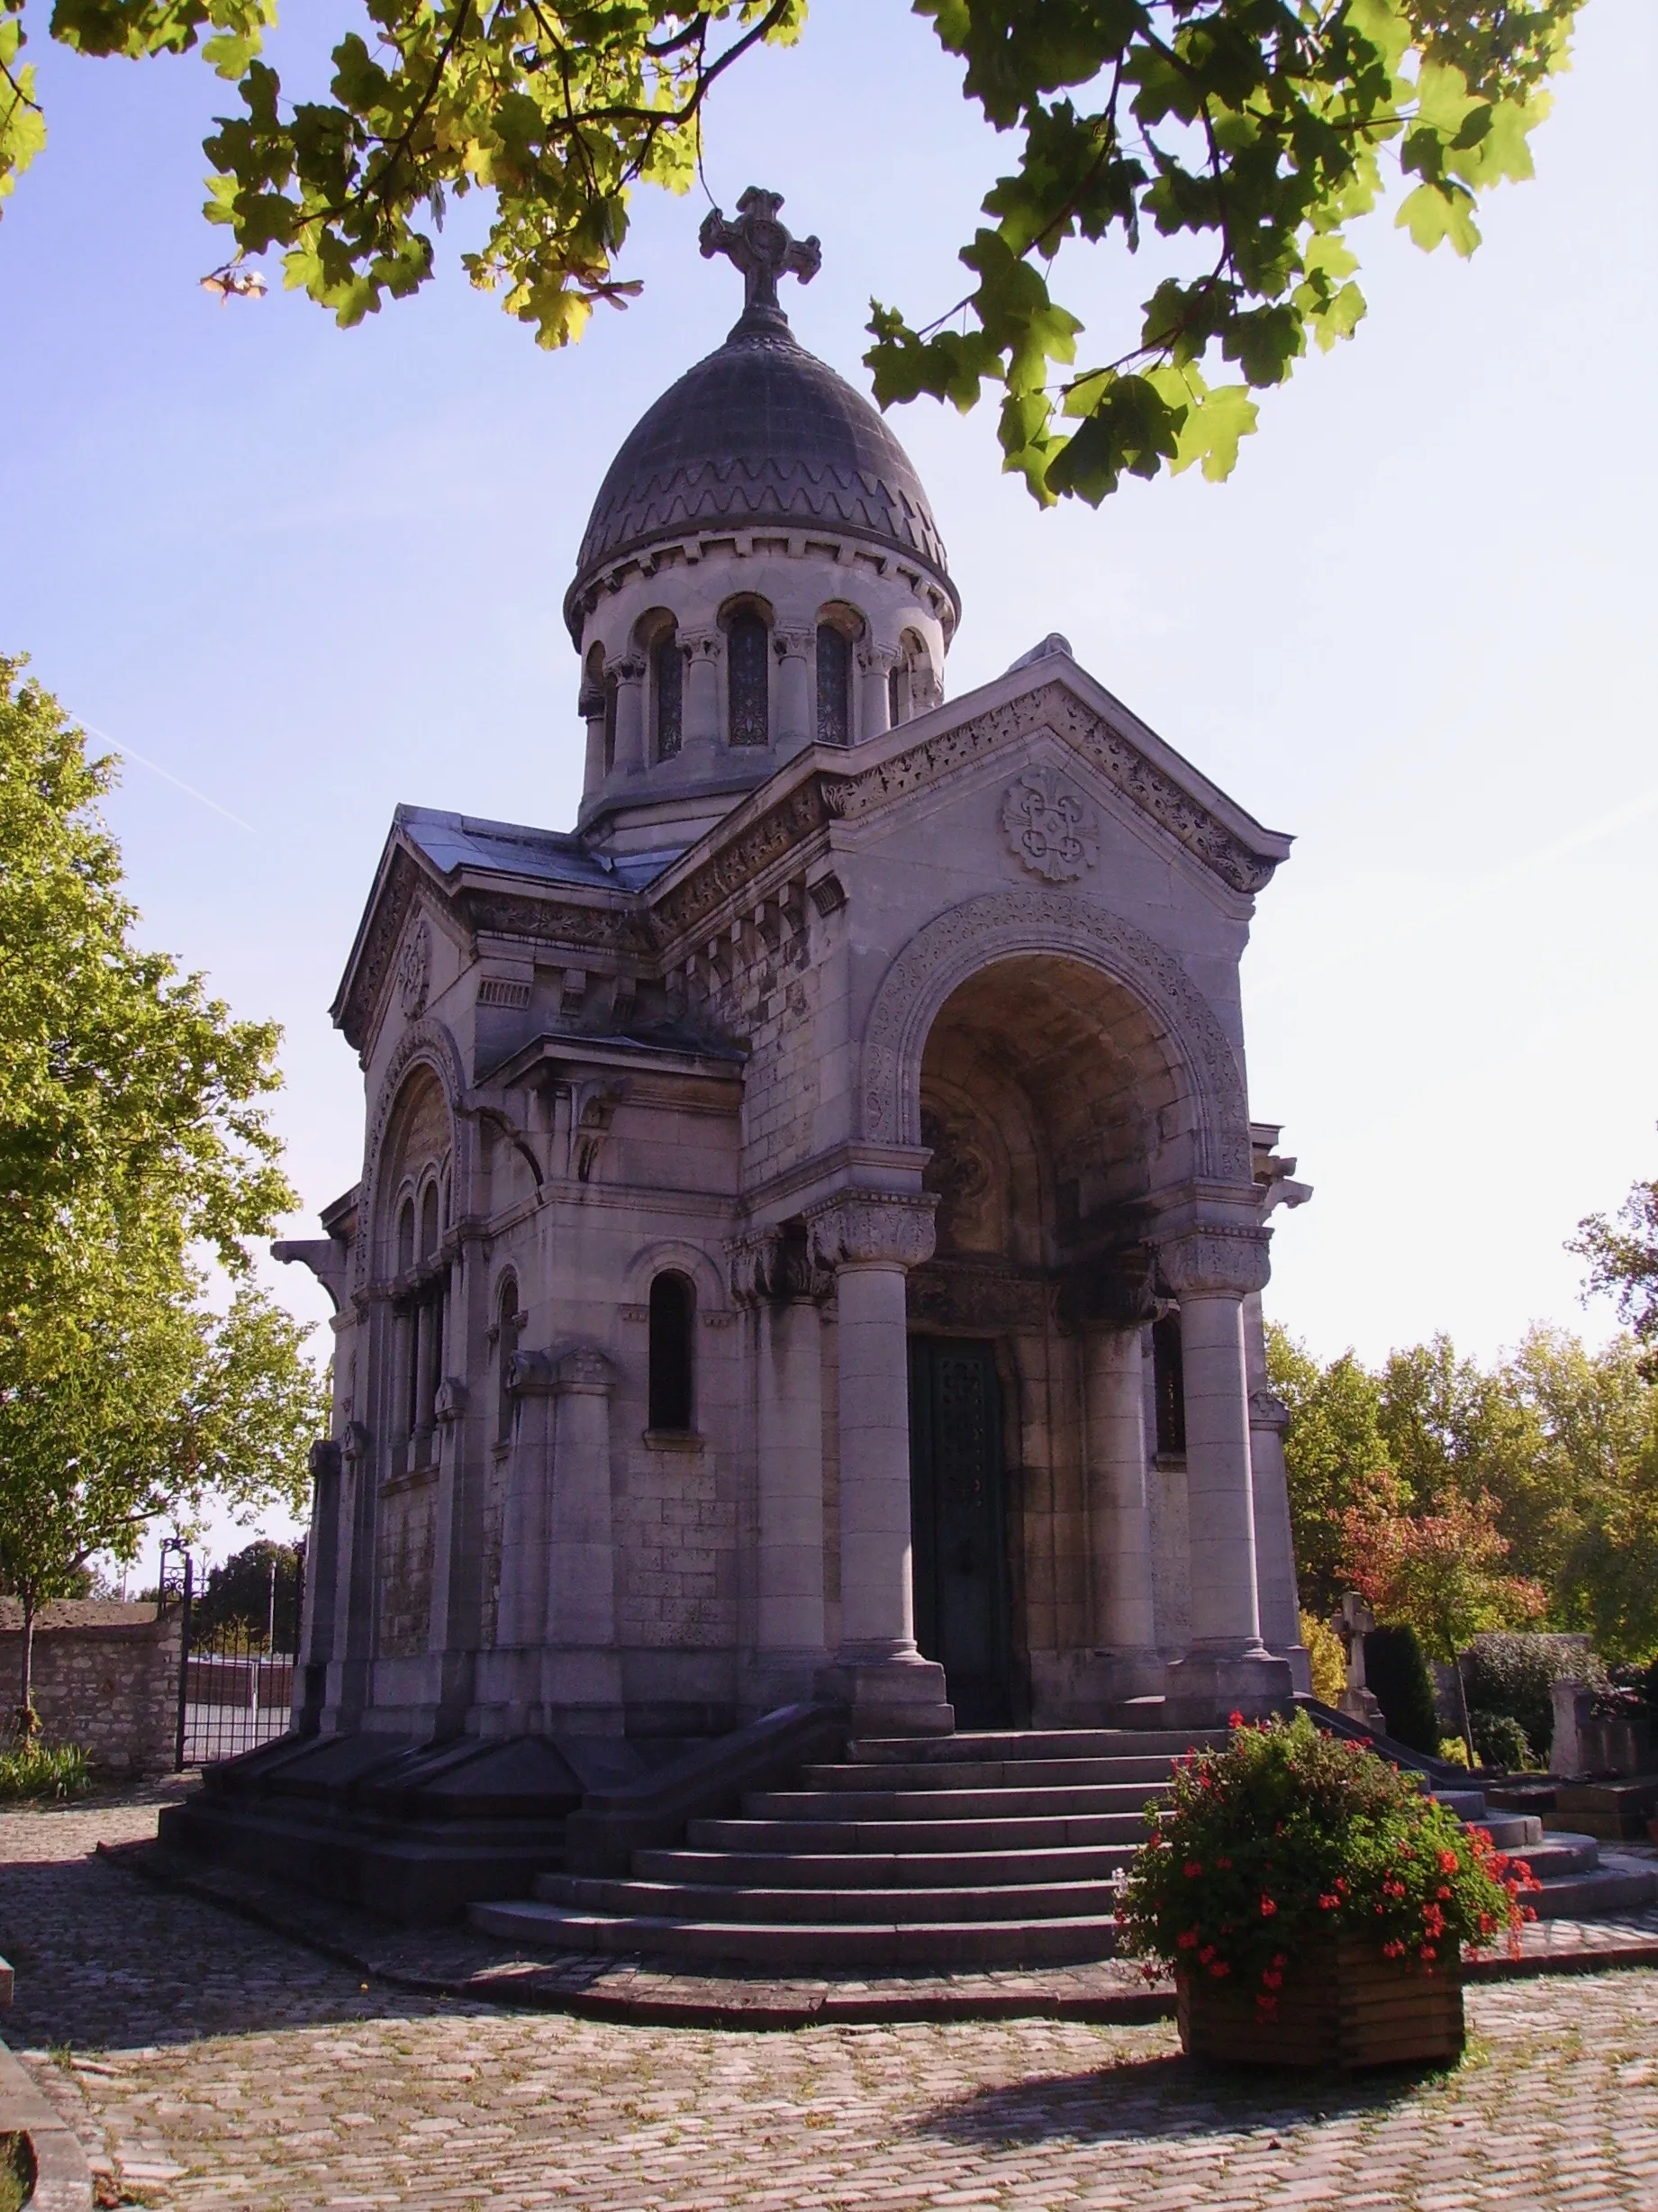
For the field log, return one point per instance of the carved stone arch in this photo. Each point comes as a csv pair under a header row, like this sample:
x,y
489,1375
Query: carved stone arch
x,y
673,1255
1001,925
427,1044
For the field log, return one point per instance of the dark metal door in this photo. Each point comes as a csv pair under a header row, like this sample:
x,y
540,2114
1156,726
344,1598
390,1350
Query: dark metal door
x,y
960,1542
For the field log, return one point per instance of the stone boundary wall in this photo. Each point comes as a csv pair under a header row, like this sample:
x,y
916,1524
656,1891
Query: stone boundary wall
x,y
106,1676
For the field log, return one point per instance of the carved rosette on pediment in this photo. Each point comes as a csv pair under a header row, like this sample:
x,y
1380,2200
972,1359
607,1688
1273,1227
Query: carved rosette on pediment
x,y
1223,1260
1051,827
768,1266
873,1229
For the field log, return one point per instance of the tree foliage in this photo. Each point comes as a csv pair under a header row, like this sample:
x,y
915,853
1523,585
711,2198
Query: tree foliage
x,y
237,1596
134,1137
1563,1443
1248,135
1622,1253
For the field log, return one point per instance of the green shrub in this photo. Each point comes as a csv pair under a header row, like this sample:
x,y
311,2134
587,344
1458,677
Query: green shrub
x,y
32,1769
1288,1836
1395,1669
1515,1675
1498,1739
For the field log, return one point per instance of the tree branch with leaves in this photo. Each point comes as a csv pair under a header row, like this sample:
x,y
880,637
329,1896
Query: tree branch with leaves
x,y
1248,135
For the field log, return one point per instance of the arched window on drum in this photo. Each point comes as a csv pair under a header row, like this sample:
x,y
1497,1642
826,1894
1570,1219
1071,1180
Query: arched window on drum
x,y
672,1378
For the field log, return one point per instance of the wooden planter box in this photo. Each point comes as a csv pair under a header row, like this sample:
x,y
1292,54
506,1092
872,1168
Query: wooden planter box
x,y
1348,2007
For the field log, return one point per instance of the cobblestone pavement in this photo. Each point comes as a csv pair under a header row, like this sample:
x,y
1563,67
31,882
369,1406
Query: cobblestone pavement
x,y
213,2065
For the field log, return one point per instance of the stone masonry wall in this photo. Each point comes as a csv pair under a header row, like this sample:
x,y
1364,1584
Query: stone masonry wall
x,y
106,1676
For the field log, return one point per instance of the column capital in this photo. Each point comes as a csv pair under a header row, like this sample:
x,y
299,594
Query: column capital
x,y
702,644
768,1266
793,641
590,701
1219,1260
865,1228
878,659
627,667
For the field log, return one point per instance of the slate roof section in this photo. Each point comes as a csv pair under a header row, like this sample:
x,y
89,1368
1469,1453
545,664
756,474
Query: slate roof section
x,y
454,842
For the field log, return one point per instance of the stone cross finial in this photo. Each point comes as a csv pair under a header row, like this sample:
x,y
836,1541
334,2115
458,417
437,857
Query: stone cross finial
x,y
761,246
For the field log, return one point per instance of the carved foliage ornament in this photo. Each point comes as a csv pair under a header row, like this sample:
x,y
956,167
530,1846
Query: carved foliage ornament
x,y
1050,826
1220,1261
871,1229
414,970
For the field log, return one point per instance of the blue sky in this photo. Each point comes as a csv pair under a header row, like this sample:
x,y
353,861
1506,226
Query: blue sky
x,y
309,573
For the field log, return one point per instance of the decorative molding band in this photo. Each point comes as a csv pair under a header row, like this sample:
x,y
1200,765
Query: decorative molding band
x,y
972,936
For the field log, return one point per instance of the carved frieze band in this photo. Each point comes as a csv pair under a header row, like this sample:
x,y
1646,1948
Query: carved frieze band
x,y
980,930
866,1228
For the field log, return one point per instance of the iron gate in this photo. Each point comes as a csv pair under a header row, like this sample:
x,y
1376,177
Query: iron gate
x,y
235,1678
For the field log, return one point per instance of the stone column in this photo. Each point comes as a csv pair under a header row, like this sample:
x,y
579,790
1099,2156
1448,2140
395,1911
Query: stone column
x,y
590,705
1119,1523
1228,1668
773,1279
581,1675
626,672
521,1604
796,724
703,649
872,1239
876,664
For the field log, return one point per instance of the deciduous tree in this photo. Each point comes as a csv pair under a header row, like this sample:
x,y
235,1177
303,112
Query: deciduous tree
x,y
135,1141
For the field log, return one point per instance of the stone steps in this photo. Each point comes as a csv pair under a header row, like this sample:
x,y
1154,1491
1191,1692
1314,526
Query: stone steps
x,y
686,1900
805,1946
884,1870
938,1854
913,1806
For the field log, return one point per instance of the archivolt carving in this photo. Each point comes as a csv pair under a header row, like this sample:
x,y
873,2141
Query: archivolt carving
x,y
430,1041
1002,923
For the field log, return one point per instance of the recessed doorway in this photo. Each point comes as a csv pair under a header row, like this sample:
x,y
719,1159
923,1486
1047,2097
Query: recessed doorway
x,y
958,1523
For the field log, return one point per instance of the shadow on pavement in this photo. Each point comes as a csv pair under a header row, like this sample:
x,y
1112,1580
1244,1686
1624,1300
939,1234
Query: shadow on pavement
x,y
1167,2096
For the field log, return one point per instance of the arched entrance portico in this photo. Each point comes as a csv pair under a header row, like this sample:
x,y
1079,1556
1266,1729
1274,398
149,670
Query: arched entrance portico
x,y
1088,1149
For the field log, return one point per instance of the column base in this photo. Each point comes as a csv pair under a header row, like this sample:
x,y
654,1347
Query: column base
x,y
889,1697
1205,1688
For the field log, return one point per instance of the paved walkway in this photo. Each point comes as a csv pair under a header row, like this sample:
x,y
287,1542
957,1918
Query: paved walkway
x,y
206,2063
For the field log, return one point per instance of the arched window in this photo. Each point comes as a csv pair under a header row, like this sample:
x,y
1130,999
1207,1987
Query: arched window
x,y
748,710
673,1311
405,1237
610,723
667,672
506,1349
428,1221
834,686
897,695
1169,1384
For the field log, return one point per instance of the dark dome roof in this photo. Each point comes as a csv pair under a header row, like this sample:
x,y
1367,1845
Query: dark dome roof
x,y
761,431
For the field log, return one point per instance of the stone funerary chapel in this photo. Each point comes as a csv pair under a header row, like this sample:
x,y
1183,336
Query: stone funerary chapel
x,y
811,1229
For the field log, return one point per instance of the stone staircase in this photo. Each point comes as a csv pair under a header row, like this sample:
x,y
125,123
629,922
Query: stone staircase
x,y
944,1854
922,1854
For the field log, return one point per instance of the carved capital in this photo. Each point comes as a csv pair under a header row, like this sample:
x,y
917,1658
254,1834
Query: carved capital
x,y
1224,1261
590,703
702,644
792,644
768,1266
1117,1293
626,668
450,1400
324,1458
354,1445
878,659
863,1229
583,1370
530,1374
